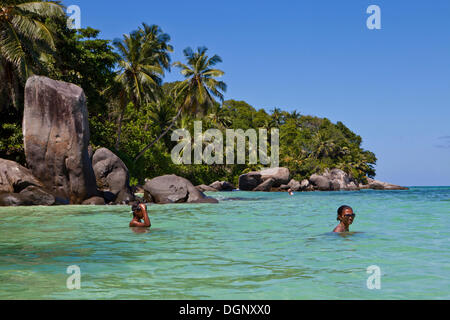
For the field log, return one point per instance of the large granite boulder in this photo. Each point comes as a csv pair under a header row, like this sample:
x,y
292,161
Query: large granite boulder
x,y
266,185
56,138
173,189
294,185
112,176
280,175
249,181
333,180
320,182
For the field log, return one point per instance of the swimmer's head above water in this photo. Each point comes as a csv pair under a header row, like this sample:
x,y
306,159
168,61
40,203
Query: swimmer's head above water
x,y
345,216
137,211
140,213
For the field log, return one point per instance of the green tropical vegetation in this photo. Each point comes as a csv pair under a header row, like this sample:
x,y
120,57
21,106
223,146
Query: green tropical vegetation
x,y
132,111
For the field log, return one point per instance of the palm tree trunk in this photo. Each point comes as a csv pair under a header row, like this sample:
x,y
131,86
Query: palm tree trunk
x,y
119,130
140,154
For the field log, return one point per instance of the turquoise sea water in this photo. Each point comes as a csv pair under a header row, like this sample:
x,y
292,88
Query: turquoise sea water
x,y
260,246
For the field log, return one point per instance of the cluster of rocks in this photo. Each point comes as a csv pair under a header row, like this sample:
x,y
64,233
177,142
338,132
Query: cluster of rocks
x,y
278,179
62,169
265,180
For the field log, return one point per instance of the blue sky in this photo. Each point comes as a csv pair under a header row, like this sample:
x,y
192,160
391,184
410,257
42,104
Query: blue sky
x,y
391,86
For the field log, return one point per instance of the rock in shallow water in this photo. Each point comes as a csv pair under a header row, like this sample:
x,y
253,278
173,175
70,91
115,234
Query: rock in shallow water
x,y
249,181
38,197
294,185
222,186
174,189
266,185
56,138
112,176
14,177
94,201
205,188
380,185
30,196
18,187
280,175
320,182
252,180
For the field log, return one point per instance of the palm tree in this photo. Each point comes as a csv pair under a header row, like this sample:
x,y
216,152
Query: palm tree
x,y
144,56
161,115
24,35
277,117
219,118
197,90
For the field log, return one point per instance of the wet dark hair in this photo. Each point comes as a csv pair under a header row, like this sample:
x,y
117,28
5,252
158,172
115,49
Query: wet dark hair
x,y
135,207
341,209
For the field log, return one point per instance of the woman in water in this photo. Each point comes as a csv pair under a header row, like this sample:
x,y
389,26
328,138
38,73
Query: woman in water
x,y
346,216
139,214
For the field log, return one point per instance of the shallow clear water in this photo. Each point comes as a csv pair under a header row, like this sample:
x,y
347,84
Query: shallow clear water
x,y
263,246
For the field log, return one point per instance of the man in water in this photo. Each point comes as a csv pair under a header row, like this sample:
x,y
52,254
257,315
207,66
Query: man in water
x,y
346,216
291,193
139,214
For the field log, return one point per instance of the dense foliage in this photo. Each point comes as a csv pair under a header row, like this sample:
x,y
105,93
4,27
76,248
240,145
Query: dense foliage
x,y
132,111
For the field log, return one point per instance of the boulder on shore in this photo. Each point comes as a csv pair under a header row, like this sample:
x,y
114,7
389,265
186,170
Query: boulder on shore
x,y
205,188
320,182
266,185
294,185
280,175
112,176
18,187
13,200
56,138
35,196
380,185
174,189
222,186
333,180
30,196
249,181
15,178
94,201
305,185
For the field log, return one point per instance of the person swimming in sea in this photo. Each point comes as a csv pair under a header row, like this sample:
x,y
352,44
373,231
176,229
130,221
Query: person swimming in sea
x,y
291,193
139,214
346,216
